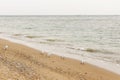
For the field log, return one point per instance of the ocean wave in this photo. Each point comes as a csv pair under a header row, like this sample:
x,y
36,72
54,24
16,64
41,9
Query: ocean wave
x,y
33,36
27,36
28,28
17,34
54,40
93,50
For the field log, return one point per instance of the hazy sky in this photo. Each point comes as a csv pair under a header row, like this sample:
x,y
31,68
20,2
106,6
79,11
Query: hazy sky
x,y
59,7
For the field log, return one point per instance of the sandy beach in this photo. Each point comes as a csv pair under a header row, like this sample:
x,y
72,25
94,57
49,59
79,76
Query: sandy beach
x,y
19,62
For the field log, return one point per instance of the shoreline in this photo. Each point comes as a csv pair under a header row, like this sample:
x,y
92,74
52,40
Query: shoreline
x,y
107,66
29,63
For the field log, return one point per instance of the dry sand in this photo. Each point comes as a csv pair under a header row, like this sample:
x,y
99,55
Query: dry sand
x,y
19,62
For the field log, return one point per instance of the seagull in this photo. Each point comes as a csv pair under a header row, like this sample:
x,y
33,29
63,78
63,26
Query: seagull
x,y
62,57
48,54
5,47
82,61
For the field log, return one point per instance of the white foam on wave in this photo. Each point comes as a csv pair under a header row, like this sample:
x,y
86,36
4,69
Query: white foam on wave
x,y
52,50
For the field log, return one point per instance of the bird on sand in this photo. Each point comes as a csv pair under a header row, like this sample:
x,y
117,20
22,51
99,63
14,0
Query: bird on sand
x,y
5,47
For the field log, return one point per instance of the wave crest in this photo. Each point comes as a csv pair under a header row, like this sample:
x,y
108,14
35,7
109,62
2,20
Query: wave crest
x,y
93,50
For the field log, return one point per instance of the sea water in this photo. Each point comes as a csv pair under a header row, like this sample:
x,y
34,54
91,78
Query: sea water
x,y
94,39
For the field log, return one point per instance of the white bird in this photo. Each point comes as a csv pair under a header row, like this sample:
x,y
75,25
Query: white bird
x,y
62,57
82,49
5,47
48,54
82,61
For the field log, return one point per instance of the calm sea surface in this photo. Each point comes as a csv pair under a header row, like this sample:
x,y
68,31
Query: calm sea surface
x,y
96,37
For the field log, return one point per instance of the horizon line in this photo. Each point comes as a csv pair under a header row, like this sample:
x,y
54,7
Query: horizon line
x,y
53,15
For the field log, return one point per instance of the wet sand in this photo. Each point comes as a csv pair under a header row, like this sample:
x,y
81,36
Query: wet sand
x,y
19,62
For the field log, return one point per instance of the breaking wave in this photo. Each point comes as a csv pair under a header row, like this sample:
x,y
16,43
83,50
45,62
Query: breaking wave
x,y
93,50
